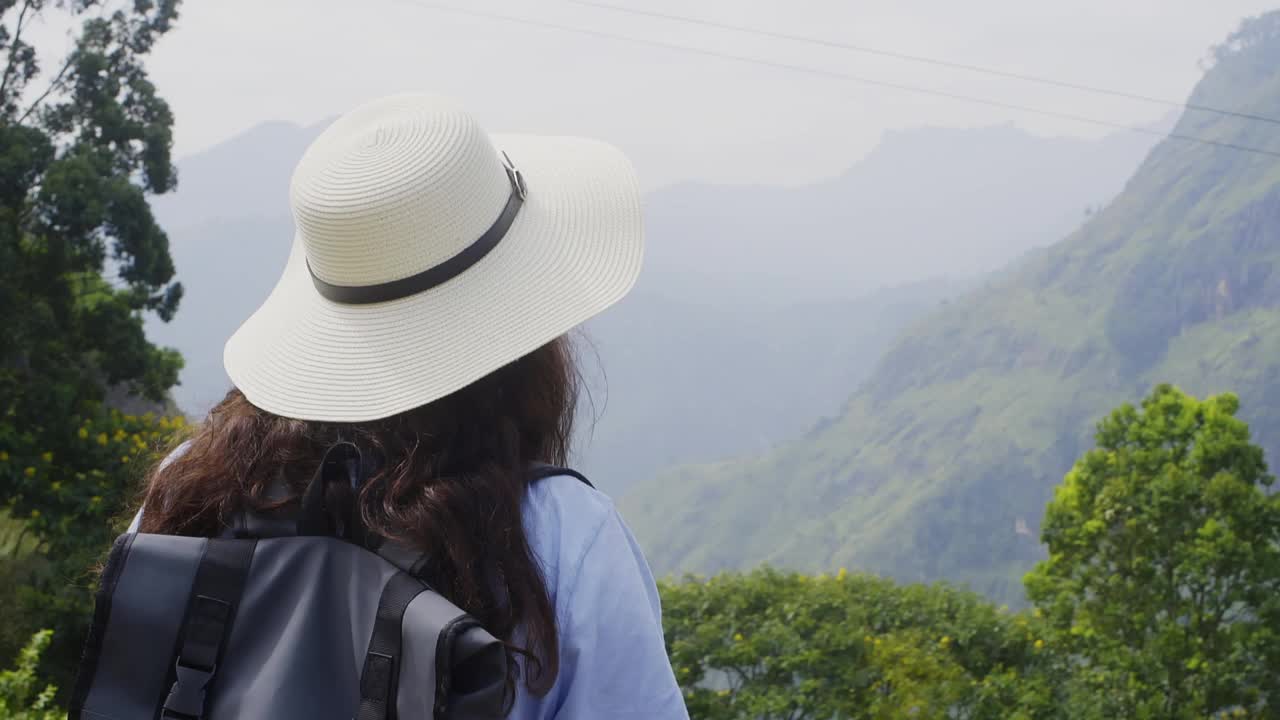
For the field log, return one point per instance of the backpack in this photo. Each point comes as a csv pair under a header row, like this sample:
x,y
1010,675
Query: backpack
x,y
298,618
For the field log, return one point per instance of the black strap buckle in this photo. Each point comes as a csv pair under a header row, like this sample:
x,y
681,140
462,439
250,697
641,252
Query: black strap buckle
x,y
186,698
203,637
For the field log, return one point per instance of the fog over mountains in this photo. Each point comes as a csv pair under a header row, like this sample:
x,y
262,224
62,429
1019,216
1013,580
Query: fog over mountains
x,y
940,465
760,308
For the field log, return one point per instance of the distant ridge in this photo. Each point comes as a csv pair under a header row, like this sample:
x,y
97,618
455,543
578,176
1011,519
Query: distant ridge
x,y
759,311
940,465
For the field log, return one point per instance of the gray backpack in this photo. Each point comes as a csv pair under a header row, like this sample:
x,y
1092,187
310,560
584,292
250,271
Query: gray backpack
x,y
284,618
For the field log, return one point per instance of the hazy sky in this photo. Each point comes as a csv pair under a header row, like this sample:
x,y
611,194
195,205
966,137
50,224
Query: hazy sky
x,y
234,63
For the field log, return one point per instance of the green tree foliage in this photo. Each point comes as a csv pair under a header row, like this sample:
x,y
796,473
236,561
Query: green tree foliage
x,y
769,645
77,160
1163,579
66,505
84,139
22,696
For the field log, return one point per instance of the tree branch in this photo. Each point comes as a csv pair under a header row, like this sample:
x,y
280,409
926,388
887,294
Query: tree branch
x,y
13,48
53,85
56,83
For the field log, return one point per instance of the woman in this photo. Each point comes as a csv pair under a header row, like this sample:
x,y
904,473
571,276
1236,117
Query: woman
x,y
422,315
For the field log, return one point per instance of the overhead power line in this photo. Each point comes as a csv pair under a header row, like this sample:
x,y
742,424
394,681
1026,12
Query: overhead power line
x,y
828,74
924,60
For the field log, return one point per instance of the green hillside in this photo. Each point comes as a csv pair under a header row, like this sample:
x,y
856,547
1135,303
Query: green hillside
x,y
940,465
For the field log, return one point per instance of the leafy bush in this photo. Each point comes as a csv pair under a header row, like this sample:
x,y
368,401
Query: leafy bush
x,y
21,695
70,494
769,644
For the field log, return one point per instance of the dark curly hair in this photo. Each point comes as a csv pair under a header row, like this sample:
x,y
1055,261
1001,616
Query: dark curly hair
x,y
451,481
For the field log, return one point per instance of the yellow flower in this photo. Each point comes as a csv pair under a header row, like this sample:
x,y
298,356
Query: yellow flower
x,y
35,514
945,641
55,486
1038,613
844,573
95,500
120,435
137,439
47,457
1039,644
29,472
724,693
131,418
102,438
737,637
179,421
84,433
4,456
124,459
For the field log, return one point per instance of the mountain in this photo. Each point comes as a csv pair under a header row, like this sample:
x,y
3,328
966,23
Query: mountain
x,y
227,268
708,358
926,202
244,177
673,382
940,465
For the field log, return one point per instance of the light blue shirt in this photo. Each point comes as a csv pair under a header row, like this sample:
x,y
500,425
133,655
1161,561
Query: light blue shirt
x,y
613,660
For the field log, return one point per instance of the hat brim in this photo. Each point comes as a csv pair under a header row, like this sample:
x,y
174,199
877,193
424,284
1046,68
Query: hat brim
x,y
574,250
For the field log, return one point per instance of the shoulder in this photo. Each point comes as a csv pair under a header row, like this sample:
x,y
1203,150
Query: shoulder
x,y
581,540
563,492
565,508
564,518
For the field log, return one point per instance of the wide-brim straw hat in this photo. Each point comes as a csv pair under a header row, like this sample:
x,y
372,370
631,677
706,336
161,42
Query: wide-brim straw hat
x,y
428,254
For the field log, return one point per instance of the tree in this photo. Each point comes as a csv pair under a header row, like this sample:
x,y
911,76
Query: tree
x,y
769,645
1163,577
83,141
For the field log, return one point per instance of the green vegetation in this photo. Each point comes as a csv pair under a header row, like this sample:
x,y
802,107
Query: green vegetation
x,y
1164,563
939,467
1160,600
83,141
768,645
22,697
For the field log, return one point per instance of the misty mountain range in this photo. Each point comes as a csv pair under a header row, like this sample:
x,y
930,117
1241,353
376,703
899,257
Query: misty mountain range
x,y
760,309
940,465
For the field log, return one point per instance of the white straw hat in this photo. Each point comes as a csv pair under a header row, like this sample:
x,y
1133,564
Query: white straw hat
x,y
425,259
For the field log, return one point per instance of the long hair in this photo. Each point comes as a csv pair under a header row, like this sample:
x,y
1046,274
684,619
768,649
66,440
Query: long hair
x,y
451,480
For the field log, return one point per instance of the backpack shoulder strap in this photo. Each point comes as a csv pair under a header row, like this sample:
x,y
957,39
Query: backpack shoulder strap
x,y
542,472
412,561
